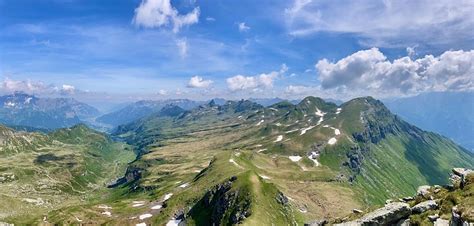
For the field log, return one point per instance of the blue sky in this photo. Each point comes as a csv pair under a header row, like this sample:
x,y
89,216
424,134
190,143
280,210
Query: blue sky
x,y
147,49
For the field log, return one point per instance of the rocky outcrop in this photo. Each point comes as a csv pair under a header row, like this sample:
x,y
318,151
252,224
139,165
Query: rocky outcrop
x,y
424,206
423,190
389,214
460,175
317,223
223,204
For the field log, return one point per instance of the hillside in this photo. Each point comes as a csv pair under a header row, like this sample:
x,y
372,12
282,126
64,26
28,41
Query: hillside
x,y
20,109
325,159
284,164
43,172
447,113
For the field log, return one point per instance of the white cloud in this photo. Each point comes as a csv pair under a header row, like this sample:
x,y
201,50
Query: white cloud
x,y
67,89
369,72
182,45
243,27
199,82
385,23
211,19
36,87
264,80
159,13
411,52
162,92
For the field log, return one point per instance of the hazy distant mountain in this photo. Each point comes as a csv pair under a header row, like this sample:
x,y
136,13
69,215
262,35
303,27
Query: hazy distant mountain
x,y
447,113
20,109
141,109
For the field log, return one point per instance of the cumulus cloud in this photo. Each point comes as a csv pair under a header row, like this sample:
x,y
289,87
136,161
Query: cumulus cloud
x,y
199,82
35,87
243,27
369,72
159,13
264,80
162,92
388,23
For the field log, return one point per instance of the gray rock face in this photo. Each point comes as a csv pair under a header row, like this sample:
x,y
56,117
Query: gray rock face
x,y
441,222
462,174
423,190
424,206
317,223
389,214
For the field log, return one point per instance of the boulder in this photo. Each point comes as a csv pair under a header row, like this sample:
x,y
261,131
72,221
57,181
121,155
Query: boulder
x,y
441,222
389,214
403,222
462,173
317,223
433,218
357,211
423,190
424,206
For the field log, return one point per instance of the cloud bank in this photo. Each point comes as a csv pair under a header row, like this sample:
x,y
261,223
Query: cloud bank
x,y
199,82
369,71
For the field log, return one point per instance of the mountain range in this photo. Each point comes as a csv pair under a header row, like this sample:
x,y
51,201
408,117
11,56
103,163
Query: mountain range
x,y
28,111
225,163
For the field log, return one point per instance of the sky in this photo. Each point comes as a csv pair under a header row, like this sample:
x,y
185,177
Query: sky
x,y
126,50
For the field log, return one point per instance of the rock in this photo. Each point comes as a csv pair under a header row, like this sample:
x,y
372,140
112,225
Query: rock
x,y
462,173
317,223
389,214
388,201
424,206
282,199
357,211
403,222
433,218
455,216
408,198
423,190
441,222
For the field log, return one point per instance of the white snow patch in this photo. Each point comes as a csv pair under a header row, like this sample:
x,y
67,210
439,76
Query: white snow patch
x,y
184,185
138,204
273,109
320,120
303,131
141,224
260,150
265,177
260,123
145,216
313,156
279,138
232,161
326,126
337,132
294,158
107,213
156,207
278,124
332,141
10,104
258,145
173,222
291,131
319,112
338,110
167,196
240,117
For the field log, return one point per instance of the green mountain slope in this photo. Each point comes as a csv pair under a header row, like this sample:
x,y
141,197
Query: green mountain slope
x,y
43,172
285,164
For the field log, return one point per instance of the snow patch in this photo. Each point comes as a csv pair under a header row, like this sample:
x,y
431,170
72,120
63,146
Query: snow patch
x,y
303,131
173,222
156,207
260,150
260,123
141,224
337,132
338,110
279,138
314,157
145,216
326,126
332,141
291,131
294,158
104,207
319,112
167,196
184,185
107,213
265,177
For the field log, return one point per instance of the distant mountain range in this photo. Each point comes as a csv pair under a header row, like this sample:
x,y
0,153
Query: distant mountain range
x,y
448,113
24,110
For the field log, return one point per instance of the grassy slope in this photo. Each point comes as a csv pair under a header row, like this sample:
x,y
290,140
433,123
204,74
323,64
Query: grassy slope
x,y
64,168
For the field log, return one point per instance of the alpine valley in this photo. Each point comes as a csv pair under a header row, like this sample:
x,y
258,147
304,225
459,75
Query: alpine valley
x,y
235,162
